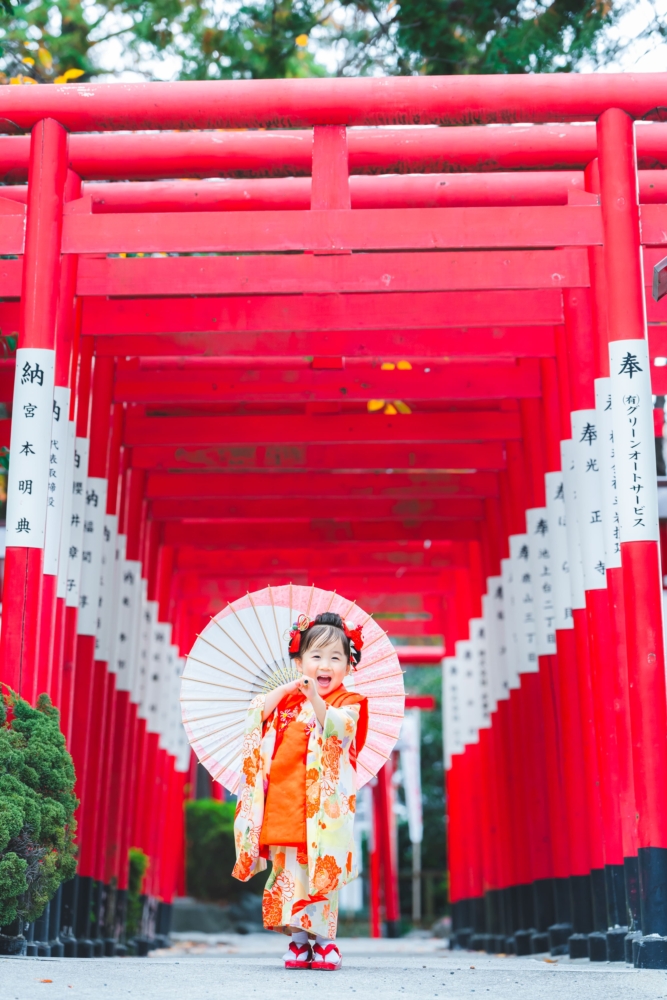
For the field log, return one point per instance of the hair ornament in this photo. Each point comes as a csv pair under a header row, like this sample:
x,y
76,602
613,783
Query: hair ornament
x,y
353,633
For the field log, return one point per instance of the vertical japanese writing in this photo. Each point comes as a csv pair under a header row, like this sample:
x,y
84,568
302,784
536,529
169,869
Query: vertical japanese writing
x,y
56,484
611,519
77,519
537,523
632,422
524,604
29,449
572,525
560,569
470,691
95,503
588,486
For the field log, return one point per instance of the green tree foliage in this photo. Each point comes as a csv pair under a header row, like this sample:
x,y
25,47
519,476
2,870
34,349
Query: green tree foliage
x,y
138,866
428,680
210,854
37,806
57,40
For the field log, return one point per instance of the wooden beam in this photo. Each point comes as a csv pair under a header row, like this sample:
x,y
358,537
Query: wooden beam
x,y
445,382
487,456
351,429
332,230
236,534
269,274
354,486
291,509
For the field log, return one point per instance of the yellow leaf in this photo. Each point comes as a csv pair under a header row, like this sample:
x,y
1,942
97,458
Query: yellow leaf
x,y
301,41
21,79
373,405
401,406
69,74
387,366
389,410
45,57
404,366
28,60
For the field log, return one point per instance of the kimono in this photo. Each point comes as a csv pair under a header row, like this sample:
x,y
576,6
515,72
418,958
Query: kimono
x,y
302,890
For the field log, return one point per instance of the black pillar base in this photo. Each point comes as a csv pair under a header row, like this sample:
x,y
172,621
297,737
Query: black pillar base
x,y
653,892
543,900
559,935
463,936
492,913
478,915
57,950
523,941
631,873
578,946
68,900
510,945
512,912
12,940
164,917
31,946
651,953
393,931
597,946
617,908
616,944
526,907
562,902
599,893
42,934
97,919
478,942
84,902
581,904
499,944
539,942
629,944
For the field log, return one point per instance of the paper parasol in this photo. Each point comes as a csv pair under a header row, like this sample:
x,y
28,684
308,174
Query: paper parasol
x,y
243,652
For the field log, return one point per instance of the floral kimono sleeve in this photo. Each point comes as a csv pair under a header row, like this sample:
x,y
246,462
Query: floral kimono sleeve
x,y
331,801
256,757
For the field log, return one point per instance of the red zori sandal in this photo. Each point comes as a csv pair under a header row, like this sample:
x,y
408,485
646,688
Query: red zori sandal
x,y
299,956
321,959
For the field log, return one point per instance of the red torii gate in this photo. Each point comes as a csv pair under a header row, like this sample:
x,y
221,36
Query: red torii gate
x,y
365,286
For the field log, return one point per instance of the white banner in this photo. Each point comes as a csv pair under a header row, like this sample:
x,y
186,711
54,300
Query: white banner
x,y
588,479
494,616
410,749
539,551
114,630
77,519
91,554
166,690
469,688
65,523
130,599
611,520
511,637
105,600
572,523
30,447
152,647
524,604
560,567
632,416
479,650
57,483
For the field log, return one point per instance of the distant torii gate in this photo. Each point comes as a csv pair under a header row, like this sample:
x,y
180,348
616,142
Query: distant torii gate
x,y
508,302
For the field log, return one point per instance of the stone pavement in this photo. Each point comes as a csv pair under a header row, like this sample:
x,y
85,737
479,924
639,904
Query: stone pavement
x,y
235,967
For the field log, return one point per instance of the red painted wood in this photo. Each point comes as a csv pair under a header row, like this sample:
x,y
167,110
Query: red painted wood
x,y
285,313
335,230
364,101
355,487
362,272
452,381
393,345
214,534
326,429
484,456
291,509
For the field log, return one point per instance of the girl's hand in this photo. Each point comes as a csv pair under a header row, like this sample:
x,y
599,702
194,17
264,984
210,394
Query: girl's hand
x,y
274,697
308,687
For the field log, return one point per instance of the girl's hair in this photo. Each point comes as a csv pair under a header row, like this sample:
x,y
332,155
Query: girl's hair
x,y
326,628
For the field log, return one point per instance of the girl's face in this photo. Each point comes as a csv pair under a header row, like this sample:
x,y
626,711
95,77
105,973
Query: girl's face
x,y
326,665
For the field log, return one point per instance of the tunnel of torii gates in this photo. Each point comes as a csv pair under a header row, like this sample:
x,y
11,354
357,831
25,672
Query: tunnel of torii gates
x,y
408,362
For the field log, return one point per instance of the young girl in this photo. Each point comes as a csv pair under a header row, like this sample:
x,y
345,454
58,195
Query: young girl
x,y
296,802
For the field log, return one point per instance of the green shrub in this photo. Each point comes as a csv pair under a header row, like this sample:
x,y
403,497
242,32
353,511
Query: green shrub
x,y
37,806
138,862
210,853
